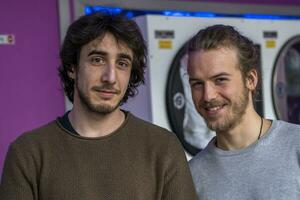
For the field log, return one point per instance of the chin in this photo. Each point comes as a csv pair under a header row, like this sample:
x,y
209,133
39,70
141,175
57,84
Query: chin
x,y
103,109
218,125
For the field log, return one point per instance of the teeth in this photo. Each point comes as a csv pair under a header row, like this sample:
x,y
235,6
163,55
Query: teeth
x,y
214,108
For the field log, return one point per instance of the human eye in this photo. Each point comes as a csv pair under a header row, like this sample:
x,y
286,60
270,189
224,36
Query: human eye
x,y
221,80
124,64
97,60
196,84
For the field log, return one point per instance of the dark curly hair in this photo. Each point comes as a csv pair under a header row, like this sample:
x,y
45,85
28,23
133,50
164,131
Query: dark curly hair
x,y
219,35
90,27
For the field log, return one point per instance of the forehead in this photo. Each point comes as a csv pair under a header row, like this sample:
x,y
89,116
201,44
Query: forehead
x,y
108,43
213,61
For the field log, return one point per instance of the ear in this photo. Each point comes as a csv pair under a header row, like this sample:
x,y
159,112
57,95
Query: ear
x,y
252,79
72,73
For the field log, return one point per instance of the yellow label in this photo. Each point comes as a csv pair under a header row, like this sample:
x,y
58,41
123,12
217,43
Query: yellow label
x,y
270,43
165,44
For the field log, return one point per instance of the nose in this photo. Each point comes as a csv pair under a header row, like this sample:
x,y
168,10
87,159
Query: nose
x,y
109,74
209,92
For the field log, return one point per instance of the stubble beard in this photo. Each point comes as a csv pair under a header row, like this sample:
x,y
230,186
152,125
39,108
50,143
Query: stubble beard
x,y
101,108
234,116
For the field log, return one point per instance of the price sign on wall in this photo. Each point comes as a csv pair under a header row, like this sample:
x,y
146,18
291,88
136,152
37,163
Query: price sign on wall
x,y
8,39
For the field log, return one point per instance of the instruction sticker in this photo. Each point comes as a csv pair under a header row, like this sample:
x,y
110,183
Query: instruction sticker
x,y
7,39
270,43
165,44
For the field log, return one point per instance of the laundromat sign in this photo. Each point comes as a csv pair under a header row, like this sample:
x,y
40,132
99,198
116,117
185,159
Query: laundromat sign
x,y
7,39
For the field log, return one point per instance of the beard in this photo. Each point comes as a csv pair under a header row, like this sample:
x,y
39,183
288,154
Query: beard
x,y
101,108
233,117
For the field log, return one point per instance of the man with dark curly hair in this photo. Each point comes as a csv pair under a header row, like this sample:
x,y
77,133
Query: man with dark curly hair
x,y
97,150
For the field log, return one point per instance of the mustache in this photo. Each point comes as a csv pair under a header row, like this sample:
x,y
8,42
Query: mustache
x,y
213,103
106,87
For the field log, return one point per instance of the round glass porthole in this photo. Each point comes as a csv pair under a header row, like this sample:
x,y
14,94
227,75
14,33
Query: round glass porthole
x,y
185,121
286,82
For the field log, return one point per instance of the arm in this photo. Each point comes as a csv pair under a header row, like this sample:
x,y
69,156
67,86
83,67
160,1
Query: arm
x,y
178,184
18,182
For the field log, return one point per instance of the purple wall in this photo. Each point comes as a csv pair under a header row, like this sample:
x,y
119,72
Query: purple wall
x,y
29,85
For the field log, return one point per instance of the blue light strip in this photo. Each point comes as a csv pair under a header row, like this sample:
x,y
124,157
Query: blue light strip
x,y
262,16
204,14
92,9
134,13
176,13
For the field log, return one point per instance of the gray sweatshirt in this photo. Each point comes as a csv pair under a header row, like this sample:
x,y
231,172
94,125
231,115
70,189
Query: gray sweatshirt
x,y
266,170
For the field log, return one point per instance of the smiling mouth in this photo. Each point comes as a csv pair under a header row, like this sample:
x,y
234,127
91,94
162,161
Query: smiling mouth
x,y
215,108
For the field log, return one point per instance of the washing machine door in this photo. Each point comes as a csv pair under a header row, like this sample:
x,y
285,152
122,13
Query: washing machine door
x,y
286,82
185,121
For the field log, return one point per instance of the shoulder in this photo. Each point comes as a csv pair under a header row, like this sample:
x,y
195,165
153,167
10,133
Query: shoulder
x,y
36,135
150,134
29,146
199,158
198,165
285,128
281,123
148,128
204,159
286,134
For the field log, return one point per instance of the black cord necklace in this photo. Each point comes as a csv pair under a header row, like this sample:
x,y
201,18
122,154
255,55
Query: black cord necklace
x,y
260,130
261,125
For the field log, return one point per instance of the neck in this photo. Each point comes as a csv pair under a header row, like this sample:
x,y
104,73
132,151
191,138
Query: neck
x,y
248,131
91,124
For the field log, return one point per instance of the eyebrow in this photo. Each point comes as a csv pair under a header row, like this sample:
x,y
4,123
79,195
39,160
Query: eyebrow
x,y
221,74
125,56
212,77
97,52
193,79
103,53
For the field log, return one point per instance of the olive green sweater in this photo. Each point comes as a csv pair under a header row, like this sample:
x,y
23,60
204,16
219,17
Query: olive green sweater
x,y
139,161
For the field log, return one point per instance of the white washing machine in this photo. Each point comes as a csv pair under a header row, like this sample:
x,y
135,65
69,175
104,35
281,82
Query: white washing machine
x,y
165,99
